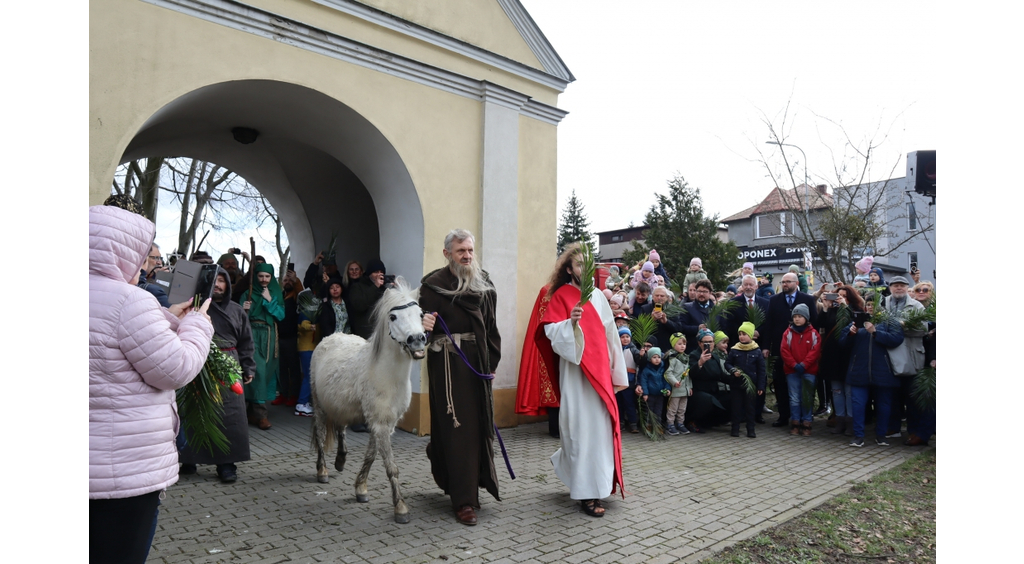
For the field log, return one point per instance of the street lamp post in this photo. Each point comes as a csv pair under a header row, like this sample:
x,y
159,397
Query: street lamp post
x,y
807,202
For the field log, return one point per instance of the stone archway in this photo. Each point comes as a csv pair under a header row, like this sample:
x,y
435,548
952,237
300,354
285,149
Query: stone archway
x,y
324,167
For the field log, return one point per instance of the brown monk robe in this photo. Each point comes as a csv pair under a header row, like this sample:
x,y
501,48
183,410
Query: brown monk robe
x,y
461,449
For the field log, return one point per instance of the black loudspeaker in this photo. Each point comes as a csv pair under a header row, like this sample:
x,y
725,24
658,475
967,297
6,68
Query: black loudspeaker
x,y
921,172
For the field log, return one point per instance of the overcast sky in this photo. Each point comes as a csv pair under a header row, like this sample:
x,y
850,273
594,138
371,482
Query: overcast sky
x,y
664,87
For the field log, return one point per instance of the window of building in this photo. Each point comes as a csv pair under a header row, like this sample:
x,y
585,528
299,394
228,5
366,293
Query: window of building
x,y
912,216
773,225
616,238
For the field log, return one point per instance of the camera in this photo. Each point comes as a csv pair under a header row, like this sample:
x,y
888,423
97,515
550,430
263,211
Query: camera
x,y
657,307
913,267
706,347
832,297
389,278
235,251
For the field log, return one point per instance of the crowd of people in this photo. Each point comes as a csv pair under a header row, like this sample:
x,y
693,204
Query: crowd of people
x,y
829,353
857,347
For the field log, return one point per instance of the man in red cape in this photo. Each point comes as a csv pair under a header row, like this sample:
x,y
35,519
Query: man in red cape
x,y
578,346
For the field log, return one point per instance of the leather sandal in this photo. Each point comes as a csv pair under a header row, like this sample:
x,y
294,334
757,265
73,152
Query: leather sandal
x,y
593,507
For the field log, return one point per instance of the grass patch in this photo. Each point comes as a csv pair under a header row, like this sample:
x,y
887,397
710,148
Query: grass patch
x,y
889,518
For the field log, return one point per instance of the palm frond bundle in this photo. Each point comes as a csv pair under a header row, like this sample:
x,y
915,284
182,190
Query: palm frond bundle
x,y
650,423
672,309
642,327
587,274
722,308
924,389
308,304
918,319
201,407
330,252
844,316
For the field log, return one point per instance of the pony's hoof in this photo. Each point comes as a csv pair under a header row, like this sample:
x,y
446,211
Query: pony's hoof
x,y
402,519
362,498
321,479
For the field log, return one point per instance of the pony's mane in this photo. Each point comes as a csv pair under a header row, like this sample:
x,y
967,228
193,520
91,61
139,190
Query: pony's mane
x,y
401,294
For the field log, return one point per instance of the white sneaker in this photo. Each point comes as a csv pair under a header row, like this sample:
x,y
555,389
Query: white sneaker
x,y
895,435
304,410
766,410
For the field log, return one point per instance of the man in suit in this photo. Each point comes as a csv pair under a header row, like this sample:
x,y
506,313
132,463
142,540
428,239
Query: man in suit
x,y
780,308
696,313
733,319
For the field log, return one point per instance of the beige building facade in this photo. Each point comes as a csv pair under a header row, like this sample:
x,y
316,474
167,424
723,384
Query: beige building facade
x,y
384,122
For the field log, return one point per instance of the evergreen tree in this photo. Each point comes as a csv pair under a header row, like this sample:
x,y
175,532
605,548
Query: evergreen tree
x,y
678,229
574,226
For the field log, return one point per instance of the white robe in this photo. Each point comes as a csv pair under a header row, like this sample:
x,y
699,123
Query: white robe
x,y
586,461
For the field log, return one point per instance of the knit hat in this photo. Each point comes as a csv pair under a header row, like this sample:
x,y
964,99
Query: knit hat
x,y
730,288
653,352
613,269
749,265
794,269
696,260
625,331
881,276
720,336
654,256
648,266
616,299
703,333
653,341
675,338
864,264
748,327
801,309
376,265
607,293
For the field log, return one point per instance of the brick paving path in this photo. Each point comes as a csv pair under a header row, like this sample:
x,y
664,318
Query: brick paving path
x,y
689,496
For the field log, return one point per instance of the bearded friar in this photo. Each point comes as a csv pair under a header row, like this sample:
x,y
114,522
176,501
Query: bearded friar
x,y
461,449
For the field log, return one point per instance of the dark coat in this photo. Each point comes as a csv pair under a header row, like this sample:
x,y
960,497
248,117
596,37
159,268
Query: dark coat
x,y
752,363
363,295
834,358
691,320
732,320
707,378
231,331
780,315
327,320
665,330
869,364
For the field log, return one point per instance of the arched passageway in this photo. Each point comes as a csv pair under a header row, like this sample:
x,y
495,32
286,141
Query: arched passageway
x,y
324,167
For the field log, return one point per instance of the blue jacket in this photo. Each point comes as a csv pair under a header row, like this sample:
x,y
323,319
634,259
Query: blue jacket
x,y
869,363
652,378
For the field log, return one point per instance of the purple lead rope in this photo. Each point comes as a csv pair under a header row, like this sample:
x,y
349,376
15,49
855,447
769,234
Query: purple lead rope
x,y
462,355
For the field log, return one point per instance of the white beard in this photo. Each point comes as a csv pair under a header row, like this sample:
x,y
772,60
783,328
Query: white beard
x,y
471,279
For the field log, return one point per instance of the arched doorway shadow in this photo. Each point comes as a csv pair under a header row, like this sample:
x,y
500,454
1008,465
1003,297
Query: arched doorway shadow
x,y
324,167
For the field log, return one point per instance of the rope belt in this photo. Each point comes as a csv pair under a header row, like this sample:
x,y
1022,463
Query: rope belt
x,y
450,342
451,345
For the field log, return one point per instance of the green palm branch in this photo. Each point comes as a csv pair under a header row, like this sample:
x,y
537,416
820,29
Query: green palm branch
x,y
308,304
724,307
642,327
917,319
748,383
650,423
200,404
924,389
769,368
672,310
755,315
587,277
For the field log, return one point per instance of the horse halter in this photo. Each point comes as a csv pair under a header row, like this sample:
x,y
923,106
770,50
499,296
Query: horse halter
x,y
390,313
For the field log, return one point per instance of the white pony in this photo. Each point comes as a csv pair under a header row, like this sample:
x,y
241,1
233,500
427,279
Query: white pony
x,y
354,380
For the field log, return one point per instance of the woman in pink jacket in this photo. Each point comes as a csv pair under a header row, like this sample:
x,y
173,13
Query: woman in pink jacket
x,y
139,353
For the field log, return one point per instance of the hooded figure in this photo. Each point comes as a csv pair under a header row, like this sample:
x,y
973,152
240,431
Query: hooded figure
x,y
231,333
263,317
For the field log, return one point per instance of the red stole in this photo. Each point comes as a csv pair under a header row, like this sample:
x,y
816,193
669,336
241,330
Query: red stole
x,y
538,380
594,363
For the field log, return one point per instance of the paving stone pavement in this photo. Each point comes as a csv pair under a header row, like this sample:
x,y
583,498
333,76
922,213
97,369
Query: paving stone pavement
x,y
688,496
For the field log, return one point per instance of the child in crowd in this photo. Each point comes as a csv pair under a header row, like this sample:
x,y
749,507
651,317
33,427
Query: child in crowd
x,y
800,349
659,269
614,279
678,376
645,274
695,273
653,385
627,398
746,356
621,319
615,303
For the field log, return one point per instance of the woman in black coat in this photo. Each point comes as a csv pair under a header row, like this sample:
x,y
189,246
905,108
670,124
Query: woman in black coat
x,y
835,359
